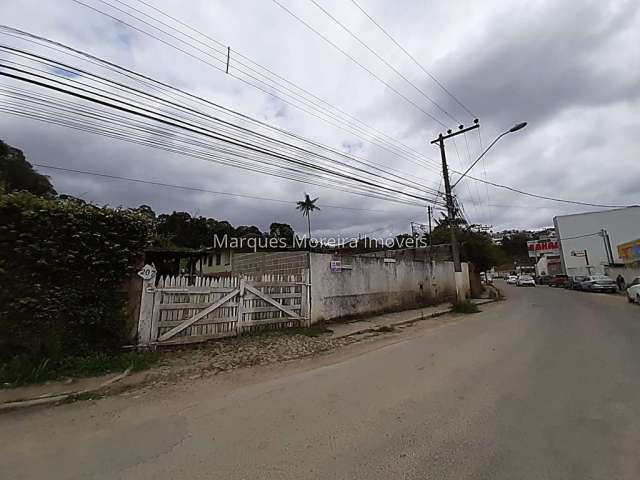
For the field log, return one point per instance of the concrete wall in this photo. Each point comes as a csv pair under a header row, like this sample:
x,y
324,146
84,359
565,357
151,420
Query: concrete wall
x,y
280,263
436,253
627,273
373,285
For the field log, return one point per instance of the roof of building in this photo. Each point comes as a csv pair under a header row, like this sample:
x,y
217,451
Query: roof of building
x,y
597,211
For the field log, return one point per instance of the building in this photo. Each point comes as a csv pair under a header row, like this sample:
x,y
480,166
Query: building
x,y
586,239
548,264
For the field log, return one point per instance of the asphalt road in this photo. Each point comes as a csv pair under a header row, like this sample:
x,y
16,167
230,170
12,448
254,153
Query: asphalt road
x,y
543,386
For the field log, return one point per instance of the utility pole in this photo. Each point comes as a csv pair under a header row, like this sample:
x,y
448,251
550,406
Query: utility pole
x,y
428,249
451,211
607,246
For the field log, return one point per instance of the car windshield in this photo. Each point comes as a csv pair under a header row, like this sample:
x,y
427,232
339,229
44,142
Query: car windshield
x,y
525,277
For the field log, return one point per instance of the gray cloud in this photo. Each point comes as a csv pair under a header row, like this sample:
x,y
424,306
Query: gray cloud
x,y
571,69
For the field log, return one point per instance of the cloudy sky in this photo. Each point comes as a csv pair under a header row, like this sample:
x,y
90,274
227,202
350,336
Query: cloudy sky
x,y
571,69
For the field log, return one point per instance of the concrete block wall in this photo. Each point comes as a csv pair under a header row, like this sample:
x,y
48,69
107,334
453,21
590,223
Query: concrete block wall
x,y
373,285
437,253
279,263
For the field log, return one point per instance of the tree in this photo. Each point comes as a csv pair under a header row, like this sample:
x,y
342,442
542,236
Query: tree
x,y
18,174
307,206
515,245
477,246
146,211
248,231
282,230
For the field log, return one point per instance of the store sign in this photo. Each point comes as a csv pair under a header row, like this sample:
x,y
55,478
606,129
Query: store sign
x,y
539,247
629,252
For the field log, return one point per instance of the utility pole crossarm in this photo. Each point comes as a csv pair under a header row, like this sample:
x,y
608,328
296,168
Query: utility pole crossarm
x,y
453,134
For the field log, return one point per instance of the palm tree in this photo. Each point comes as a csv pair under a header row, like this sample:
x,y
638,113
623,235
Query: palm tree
x,y
307,206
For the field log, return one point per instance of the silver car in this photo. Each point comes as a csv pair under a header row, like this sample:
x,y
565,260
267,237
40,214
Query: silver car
x,y
598,283
525,281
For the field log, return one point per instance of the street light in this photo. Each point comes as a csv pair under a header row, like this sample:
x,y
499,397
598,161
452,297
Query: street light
x,y
515,128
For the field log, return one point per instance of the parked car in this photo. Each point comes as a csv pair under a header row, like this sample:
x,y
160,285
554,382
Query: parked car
x,y
543,280
575,282
512,279
525,281
559,281
633,290
599,283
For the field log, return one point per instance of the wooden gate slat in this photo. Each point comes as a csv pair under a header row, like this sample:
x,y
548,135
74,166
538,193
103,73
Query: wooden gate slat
x,y
197,317
267,299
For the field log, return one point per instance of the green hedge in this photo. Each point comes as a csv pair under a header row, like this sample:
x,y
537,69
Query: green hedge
x,y
62,268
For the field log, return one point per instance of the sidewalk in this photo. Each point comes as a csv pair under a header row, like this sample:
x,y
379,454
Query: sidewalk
x,y
389,320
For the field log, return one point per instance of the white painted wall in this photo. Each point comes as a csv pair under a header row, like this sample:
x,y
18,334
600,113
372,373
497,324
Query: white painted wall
x,y
371,285
628,273
622,225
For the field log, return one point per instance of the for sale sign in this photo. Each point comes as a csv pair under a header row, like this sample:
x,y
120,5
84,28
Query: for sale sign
x,y
539,247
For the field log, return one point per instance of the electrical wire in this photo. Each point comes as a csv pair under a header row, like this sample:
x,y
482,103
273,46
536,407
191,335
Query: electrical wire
x,y
379,57
354,60
544,197
198,189
183,152
266,88
163,88
413,59
402,180
188,126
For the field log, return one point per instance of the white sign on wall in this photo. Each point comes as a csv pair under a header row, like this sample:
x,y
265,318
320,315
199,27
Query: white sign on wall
x,y
336,266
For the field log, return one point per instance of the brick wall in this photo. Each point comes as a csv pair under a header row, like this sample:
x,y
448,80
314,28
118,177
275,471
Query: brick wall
x,y
280,263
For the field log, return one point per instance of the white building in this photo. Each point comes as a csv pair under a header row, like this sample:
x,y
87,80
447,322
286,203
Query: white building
x,y
584,249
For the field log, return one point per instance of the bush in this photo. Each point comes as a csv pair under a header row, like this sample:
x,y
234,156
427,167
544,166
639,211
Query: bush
x,y
21,370
62,267
465,306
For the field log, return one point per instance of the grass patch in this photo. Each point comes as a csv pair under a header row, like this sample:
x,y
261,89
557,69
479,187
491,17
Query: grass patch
x,y
314,330
23,370
465,306
386,329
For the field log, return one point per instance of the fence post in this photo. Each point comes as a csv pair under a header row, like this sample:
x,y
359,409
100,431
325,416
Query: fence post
x,y
305,294
145,316
241,308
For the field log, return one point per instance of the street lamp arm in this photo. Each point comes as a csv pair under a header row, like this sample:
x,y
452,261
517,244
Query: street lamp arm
x,y
479,158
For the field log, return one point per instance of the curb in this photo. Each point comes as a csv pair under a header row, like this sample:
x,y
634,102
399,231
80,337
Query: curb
x,y
415,319
52,399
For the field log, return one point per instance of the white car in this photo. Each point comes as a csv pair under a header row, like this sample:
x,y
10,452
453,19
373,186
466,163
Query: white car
x,y
633,290
525,281
512,279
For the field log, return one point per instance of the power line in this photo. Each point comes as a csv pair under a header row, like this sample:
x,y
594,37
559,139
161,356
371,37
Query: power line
x,y
354,60
412,58
126,135
394,199
379,57
197,189
183,152
553,199
162,87
59,66
344,125
190,127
